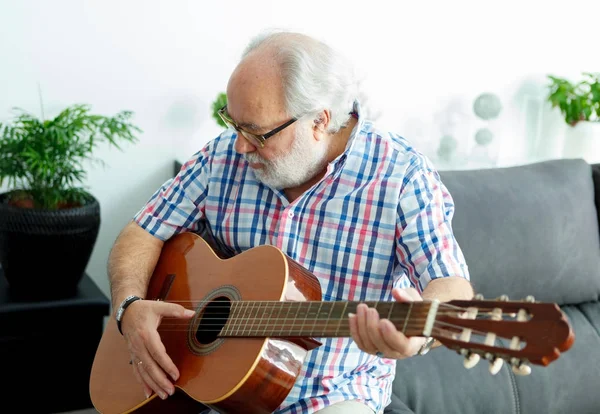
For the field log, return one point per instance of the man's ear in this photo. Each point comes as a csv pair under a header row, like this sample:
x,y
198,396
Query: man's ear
x,y
321,123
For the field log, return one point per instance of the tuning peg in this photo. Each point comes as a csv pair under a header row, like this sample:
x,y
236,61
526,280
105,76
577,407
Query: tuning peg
x,y
471,359
503,298
496,365
478,296
529,298
520,368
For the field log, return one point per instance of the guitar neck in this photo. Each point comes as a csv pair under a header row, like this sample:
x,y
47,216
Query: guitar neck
x,y
320,319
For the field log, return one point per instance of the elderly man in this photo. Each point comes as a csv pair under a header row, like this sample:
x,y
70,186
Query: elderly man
x,y
302,169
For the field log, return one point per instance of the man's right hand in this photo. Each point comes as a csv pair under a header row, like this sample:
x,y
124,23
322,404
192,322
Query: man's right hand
x,y
151,364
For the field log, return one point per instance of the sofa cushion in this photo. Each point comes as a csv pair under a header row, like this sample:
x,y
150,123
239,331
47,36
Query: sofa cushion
x,y
529,230
569,384
438,382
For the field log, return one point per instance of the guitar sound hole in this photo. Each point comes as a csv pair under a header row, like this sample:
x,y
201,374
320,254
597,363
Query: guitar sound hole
x,y
214,317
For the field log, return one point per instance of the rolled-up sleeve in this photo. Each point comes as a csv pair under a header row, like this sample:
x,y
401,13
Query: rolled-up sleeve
x,y
426,246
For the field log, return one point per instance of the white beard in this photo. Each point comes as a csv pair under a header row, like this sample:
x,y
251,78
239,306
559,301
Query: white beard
x,y
305,159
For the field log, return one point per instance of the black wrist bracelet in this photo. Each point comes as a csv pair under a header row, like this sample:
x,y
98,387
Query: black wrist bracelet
x,y
128,301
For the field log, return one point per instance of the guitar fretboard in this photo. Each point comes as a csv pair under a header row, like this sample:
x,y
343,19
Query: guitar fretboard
x,y
316,319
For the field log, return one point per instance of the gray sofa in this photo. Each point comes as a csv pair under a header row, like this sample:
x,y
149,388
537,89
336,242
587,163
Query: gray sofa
x,y
526,230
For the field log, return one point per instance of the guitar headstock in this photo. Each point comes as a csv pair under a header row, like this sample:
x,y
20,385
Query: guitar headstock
x,y
517,332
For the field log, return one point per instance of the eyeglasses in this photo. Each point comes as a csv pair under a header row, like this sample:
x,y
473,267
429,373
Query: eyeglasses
x,y
258,140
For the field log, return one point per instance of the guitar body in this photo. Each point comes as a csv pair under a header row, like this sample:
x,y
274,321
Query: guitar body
x,y
250,375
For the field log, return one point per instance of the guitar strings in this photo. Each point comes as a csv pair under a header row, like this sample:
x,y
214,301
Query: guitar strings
x,y
314,324
437,331
441,327
228,303
269,319
250,304
318,324
316,327
265,318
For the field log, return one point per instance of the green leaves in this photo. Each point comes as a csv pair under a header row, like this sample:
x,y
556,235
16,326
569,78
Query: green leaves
x,y
578,101
219,102
45,158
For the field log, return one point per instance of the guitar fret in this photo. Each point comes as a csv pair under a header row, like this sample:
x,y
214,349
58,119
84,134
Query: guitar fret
x,y
270,307
407,317
317,318
326,327
235,326
262,322
283,318
306,315
227,327
277,327
247,316
238,315
258,318
268,319
242,317
389,316
337,331
293,324
251,319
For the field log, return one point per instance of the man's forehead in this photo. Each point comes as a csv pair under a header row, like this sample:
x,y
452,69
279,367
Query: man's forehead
x,y
246,114
254,114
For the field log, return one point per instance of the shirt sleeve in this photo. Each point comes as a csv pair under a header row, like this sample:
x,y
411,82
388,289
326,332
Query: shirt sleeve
x,y
178,205
426,246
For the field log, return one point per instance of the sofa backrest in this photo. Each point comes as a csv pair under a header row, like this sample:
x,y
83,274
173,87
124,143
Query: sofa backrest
x,y
529,230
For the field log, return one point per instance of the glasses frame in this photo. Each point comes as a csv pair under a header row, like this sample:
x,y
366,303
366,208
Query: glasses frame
x,y
255,139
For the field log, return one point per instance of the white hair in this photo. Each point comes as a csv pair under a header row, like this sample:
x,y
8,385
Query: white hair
x,y
315,76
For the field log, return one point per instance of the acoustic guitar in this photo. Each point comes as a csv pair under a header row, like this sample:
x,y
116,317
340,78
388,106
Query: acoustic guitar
x,y
257,314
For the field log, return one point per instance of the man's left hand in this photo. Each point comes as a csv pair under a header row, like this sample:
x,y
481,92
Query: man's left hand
x,y
379,336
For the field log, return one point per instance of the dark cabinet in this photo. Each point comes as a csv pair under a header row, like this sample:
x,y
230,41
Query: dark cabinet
x,y
47,348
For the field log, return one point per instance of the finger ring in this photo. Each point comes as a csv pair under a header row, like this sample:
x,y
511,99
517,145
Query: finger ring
x,y
139,362
377,354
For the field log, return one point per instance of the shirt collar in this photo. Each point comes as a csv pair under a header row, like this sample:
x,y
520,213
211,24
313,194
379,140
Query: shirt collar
x,y
353,135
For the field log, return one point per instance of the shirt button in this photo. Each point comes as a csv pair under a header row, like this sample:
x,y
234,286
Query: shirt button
x,y
291,214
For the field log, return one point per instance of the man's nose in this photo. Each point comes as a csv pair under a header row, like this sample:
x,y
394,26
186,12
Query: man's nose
x,y
242,145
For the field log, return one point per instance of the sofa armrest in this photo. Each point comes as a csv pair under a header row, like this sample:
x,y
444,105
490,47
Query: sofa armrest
x,y
596,177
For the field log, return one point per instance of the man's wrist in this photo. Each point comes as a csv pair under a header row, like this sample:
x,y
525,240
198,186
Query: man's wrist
x,y
122,307
119,296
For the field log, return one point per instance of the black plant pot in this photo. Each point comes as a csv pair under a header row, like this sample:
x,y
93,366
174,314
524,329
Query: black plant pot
x,y
44,253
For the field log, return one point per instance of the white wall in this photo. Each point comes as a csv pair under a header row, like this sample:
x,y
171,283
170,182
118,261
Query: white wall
x,y
424,63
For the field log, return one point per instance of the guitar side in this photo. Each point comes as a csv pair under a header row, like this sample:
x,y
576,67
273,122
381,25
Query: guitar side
x,y
231,373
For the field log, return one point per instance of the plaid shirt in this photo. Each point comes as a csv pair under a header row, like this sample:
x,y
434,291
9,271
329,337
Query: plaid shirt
x,y
379,218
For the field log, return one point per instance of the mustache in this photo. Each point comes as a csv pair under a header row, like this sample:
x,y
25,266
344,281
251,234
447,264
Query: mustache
x,y
254,157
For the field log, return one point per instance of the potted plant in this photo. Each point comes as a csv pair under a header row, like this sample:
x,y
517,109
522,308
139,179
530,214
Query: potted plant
x,y
579,104
49,221
219,102
577,101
